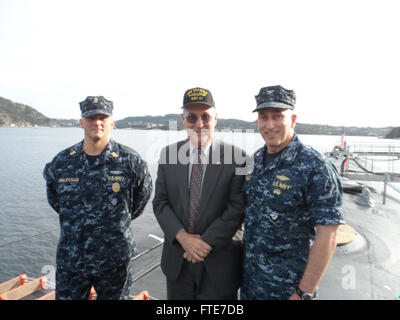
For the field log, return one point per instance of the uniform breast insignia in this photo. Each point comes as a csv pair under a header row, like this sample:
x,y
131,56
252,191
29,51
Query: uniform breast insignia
x,y
282,178
116,187
277,191
114,155
279,184
115,178
73,152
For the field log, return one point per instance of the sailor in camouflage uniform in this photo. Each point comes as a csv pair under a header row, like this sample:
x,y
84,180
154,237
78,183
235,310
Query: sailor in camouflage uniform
x,y
97,187
294,197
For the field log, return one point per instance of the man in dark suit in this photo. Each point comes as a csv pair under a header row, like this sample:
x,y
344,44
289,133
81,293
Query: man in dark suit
x,y
199,205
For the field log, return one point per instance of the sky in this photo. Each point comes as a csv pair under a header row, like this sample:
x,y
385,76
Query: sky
x,y
342,58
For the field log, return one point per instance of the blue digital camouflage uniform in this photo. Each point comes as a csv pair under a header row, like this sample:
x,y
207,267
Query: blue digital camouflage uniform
x,y
285,201
96,203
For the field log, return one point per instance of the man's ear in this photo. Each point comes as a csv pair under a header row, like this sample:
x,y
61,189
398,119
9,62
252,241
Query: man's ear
x,y
294,119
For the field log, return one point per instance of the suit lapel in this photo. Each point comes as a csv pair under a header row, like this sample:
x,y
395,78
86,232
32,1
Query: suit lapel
x,y
211,176
182,174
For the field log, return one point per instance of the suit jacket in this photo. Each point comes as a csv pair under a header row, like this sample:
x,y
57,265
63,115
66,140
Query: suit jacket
x,y
221,210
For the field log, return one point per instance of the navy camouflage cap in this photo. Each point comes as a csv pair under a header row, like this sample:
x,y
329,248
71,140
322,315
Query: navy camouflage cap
x,y
275,97
198,96
96,105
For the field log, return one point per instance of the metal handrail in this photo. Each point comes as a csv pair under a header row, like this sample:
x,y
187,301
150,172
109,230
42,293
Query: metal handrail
x,y
29,237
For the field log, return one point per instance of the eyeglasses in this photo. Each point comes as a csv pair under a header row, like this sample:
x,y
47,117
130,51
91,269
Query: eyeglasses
x,y
192,118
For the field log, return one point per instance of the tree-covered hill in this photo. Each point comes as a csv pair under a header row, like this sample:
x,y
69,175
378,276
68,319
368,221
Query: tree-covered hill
x,y
20,115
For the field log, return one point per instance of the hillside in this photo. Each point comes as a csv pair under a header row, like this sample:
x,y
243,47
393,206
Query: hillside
x,y
162,123
393,134
20,115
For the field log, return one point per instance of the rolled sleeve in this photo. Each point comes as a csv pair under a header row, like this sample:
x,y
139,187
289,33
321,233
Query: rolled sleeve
x,y
324,197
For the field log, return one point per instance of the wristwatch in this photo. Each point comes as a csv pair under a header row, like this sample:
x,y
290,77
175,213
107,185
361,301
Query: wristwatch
x,y
304,295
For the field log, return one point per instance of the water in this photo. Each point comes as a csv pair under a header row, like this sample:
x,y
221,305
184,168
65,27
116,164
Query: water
x,y
24,210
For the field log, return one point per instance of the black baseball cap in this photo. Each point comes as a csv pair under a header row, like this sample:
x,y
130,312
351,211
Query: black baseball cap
x,y
275,97
96,105
198,96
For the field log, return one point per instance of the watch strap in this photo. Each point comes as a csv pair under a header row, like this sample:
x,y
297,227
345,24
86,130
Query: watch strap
x,y
302,293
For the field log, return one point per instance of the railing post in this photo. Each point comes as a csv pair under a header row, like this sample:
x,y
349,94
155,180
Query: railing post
x,y
385,186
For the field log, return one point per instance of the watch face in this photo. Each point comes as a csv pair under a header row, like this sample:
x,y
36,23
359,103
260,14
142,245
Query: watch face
x,y
304,295
307,296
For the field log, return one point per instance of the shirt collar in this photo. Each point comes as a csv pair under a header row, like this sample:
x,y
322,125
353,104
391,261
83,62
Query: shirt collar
x,y
288,155
205,150
109,152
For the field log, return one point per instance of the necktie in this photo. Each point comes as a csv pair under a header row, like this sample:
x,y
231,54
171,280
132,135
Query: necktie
x,y
195,189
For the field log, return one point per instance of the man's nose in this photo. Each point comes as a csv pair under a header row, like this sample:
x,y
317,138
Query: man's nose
x,y
200,123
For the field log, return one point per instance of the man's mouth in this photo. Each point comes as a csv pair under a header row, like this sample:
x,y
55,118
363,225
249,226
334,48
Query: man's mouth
x,y
271,133
203,132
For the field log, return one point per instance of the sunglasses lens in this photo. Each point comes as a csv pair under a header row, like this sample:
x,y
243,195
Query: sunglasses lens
x,y
205,117
192,118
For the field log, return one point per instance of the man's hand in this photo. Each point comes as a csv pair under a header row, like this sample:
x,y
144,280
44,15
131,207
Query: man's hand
x,y
294,296
190,258
196,250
